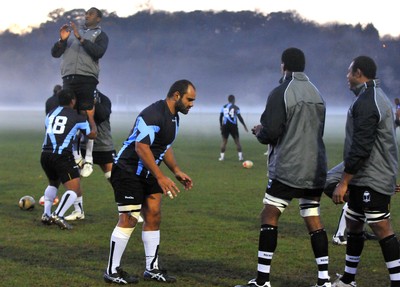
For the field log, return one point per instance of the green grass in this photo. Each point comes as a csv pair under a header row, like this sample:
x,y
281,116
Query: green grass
x,y
209,235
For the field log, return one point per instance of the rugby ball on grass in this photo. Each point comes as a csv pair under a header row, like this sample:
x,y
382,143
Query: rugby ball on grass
x,y
26,202
247,164
41,200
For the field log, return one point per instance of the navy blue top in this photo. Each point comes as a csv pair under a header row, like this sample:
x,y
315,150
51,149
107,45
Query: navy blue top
x,y
230,113
155,126
62,124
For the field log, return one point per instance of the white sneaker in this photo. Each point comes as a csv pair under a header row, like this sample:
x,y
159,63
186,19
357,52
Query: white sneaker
x,y
80,162
253,283
221,159
339,240
75,215
339,283
87,169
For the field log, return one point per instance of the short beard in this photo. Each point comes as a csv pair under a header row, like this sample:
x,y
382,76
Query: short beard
x,y
180,107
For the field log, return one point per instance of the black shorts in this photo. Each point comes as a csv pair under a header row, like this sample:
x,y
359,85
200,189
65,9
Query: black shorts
x,y
59,166
229,129
363,199
130,188
102,157
83,87
283,191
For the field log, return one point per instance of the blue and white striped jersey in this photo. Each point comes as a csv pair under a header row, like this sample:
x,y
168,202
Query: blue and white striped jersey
x,y
230,112
155,126
62,125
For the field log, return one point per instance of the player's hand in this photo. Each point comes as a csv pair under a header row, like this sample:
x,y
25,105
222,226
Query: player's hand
x,y
346,196
184,179
397,188
256,129
64,32
75,29
339,193
168,187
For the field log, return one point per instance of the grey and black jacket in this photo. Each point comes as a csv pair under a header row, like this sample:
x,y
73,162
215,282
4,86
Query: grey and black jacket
x,y
81,58
293,125
370,151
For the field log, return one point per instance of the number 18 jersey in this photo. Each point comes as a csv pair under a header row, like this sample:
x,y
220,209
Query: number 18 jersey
x,y
62,125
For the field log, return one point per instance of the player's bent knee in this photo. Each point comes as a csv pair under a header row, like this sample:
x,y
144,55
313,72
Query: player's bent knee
x,y
131,210
279,203
309,207
136,215
354,216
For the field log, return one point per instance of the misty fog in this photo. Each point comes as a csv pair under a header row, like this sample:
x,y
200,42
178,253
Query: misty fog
x,y
221,53
195,123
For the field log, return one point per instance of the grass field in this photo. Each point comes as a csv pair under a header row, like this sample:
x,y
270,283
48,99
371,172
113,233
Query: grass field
x,y
209,235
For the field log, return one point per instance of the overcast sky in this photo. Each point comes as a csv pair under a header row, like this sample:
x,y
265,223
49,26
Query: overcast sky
x,y
20,15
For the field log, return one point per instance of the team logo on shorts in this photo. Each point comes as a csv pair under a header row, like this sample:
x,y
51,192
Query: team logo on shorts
x,y
366,196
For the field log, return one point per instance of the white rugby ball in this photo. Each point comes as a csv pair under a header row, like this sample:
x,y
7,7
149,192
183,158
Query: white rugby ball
x,y
41,200
247,164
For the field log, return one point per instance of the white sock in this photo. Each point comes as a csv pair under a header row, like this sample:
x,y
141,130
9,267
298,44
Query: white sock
x,y
50,194
107,175
66,202
75,151
222,155
151,242
240,155
342,222
119,240
77,156
78,204
89,151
